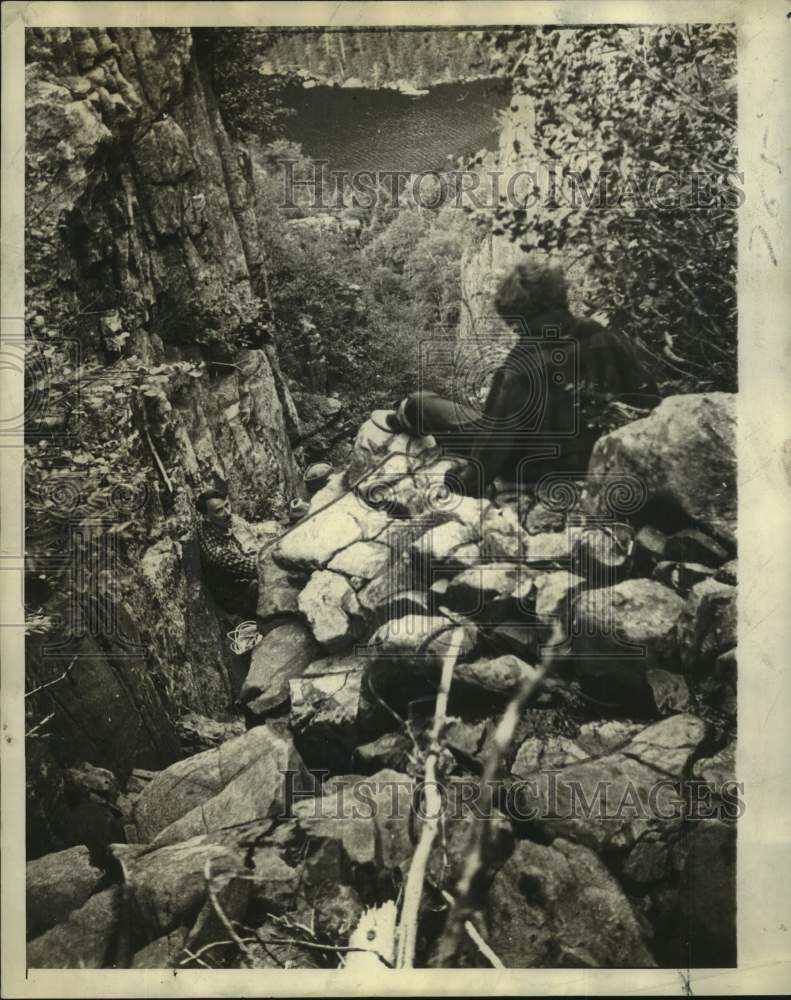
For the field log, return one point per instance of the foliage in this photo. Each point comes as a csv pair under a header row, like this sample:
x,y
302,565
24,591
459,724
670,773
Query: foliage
x,y
637,128
249,101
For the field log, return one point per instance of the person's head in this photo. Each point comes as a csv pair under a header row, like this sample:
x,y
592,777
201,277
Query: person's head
x,y
529,291
215,506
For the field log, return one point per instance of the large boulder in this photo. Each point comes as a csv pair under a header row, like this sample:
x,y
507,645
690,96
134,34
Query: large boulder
x,y
278,589
169,884
684,456
406,654
283,654
375,443
237,782
484,592
330,712
313,542
56,884
330,605
609,802
557,906
84,940
620,632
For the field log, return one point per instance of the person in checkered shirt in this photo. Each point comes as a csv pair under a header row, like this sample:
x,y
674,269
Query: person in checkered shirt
x,y
230,571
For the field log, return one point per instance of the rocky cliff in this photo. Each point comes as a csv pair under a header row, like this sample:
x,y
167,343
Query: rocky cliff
x,y
143,277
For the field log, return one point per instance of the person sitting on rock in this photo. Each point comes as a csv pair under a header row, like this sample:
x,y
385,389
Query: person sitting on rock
x,y
545,405
229,568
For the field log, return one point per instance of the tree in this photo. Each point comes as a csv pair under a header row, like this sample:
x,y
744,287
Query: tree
x,y
635,130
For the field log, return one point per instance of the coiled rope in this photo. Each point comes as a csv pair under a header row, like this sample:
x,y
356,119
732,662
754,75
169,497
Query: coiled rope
x,y
244,637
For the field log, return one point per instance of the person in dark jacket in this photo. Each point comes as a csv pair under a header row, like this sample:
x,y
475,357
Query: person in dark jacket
x,y
544,408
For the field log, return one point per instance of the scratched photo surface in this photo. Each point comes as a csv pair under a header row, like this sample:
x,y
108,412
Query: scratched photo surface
x,y
380,497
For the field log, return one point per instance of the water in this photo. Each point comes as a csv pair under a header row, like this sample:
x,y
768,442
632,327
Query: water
x,y
366,129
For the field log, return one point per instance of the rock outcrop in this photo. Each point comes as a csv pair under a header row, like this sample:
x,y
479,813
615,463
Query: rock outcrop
x,y
142,263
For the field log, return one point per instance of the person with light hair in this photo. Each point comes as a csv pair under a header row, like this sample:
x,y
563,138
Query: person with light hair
x,y
544,408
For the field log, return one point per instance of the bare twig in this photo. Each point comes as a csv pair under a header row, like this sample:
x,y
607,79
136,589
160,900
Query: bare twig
x,y
476,938
57,680
39,725
319,947
246,955
195,955
413,890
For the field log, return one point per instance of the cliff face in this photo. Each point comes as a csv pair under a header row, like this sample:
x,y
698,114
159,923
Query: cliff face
x,y
141,251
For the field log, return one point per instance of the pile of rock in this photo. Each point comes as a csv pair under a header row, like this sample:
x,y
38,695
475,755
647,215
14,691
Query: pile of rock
x,y
630,575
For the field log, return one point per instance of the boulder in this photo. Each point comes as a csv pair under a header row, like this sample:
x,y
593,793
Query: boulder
x,y
237,782
170,883
609,802
649,549
282,655
552,595
329,604
600,737
547,753
364,560
418,641
316,539
164,952
706,921
557,906
437,550
707,626
391,750
56,884
278,590
603,554
669,691
681,577
484,592
369,818
87,781
541,518
498,676
728,573
327,713
83,940
196,732
695,546
374,442
718,770
502,536
684,456
620,632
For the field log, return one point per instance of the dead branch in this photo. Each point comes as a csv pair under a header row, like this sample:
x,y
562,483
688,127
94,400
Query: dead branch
x,y
57,680
464,908
246,955
413,890
39,725
476,937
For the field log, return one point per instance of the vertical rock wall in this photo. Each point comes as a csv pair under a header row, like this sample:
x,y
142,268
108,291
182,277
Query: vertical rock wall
x,y
141,244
